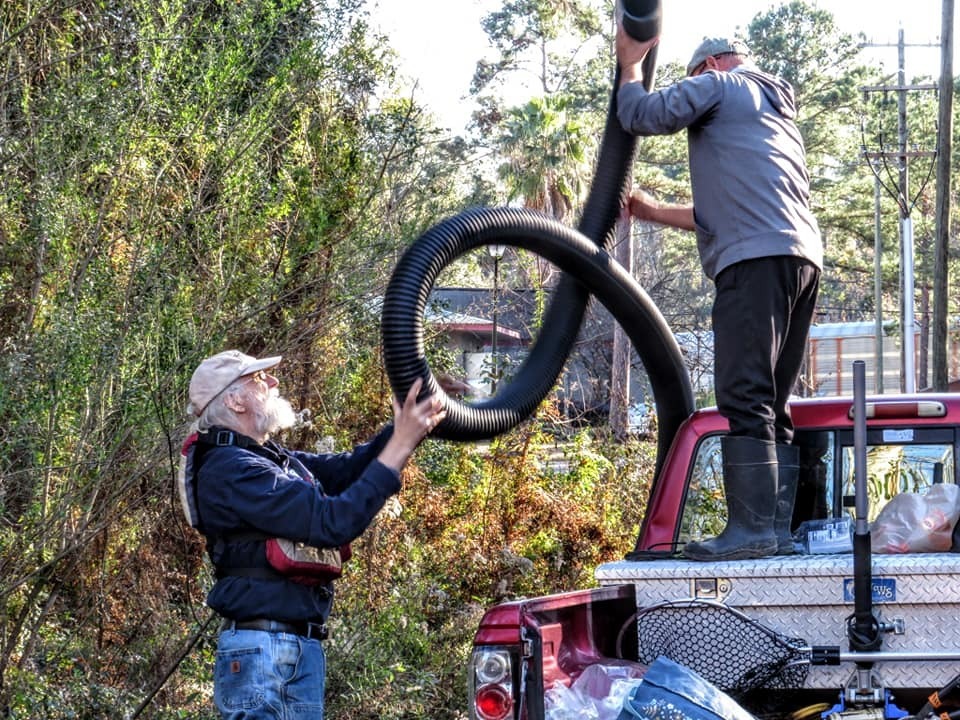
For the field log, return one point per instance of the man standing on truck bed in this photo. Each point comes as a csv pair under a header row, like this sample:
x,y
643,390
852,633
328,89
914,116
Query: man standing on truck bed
x,y
761,246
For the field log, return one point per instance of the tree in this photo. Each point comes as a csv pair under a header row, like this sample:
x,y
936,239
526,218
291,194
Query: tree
x,y
178,178
548,145
545,151
802,44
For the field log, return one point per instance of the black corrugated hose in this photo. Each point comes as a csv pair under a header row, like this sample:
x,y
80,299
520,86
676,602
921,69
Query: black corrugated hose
x,y
587,269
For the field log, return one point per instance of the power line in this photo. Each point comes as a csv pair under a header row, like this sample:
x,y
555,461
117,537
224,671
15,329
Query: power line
x,y
901,194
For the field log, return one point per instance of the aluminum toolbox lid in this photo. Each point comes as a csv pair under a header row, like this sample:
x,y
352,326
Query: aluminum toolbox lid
x,y
791,581
788,566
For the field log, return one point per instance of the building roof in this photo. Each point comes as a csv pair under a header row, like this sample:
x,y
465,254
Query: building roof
x,y
450,320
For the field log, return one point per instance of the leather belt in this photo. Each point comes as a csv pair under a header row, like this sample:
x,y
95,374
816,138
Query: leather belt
x,y
309,630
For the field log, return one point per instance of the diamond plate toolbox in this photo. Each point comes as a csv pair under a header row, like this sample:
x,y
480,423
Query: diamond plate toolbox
x,y
811,596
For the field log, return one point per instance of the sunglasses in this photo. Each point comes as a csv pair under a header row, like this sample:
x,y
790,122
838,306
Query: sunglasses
x,y
259,376
702,67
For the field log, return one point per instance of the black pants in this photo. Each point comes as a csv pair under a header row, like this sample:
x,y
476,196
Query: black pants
x,y
761,319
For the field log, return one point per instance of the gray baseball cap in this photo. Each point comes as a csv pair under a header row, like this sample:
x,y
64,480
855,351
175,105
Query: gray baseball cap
x,y
217,373
711,47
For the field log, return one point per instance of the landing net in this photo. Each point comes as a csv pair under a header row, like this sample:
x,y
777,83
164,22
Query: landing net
x,y
724,646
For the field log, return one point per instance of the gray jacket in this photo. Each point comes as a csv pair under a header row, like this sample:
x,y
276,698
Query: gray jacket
x,y
751,189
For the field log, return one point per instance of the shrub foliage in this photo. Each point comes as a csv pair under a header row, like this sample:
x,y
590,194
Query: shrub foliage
x,y
185,176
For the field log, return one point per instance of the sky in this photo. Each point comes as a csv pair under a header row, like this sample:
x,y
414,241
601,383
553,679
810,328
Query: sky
x,y
440,41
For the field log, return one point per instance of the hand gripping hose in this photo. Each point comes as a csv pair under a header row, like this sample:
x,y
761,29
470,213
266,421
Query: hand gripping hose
x,y
587,269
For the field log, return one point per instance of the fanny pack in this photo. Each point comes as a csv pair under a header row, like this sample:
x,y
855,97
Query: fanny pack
x,y
305,564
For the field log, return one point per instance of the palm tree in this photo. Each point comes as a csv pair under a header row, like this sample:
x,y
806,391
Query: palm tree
x,y
544,147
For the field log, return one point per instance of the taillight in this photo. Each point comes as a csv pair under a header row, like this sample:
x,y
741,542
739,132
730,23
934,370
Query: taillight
x,y
493,702
491,684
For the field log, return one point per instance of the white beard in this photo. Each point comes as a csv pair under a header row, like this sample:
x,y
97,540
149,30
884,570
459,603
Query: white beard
x,y
277,414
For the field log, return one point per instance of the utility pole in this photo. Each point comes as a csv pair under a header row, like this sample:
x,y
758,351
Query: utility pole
x,y
496,252
941,380
878,288
908,374
622,348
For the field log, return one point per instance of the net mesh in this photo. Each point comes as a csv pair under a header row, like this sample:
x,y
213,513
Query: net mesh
x,y
724,646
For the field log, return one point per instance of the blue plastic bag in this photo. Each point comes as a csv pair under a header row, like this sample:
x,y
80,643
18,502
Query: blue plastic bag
x,y
670,691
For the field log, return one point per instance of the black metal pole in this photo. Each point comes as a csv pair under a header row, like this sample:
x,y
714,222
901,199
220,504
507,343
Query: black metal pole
x,y
862,627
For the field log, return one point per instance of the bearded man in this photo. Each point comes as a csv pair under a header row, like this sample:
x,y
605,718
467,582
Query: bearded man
x,y
251,495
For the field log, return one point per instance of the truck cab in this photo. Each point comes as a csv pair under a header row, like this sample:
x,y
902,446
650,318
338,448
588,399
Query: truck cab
x,y
911,446
703,615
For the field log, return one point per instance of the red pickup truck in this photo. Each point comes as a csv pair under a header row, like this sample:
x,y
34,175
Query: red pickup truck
x,y
774,633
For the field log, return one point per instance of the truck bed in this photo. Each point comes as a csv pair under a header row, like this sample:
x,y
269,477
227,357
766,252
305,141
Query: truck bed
x,y
810,597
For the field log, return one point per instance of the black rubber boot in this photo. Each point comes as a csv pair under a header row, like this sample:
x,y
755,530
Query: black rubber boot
x,y
750,486
788,464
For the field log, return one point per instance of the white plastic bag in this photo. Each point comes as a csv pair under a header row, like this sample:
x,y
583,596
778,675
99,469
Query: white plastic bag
x,y
597,693
917,523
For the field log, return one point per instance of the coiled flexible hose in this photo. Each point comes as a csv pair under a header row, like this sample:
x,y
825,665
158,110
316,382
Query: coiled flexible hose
x,y
588,269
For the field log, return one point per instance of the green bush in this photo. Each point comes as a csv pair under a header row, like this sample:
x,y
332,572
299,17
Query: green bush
x,y
403,621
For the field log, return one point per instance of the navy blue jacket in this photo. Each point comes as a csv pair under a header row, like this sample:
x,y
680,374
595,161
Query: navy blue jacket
x,y
253,490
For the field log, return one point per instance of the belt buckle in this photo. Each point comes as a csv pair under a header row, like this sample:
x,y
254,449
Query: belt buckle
x,y
317,631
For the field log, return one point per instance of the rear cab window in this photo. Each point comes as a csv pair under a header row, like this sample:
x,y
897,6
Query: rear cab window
x,y
899,459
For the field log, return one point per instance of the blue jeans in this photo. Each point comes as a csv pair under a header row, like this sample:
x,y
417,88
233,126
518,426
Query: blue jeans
x,y
268,676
